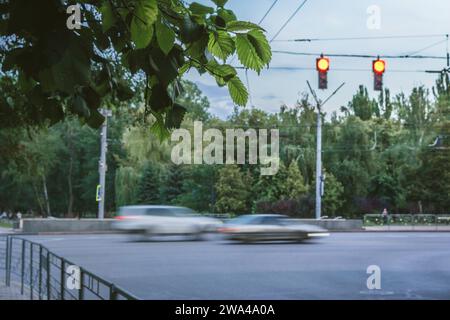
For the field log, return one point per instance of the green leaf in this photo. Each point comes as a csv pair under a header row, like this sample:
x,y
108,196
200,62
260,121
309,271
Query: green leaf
x,y
184,68
226,71
220,44
73,66
80,107
124,92
199,9
226,15
238,92
247,53
96,119
53,110
144,16
159,98
261,45
175,116
158,128
165,37
190,30
197,49
222,73
25,83
242,26
108,17
91,97
220,3
165,67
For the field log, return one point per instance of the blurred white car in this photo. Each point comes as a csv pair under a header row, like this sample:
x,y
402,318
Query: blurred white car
x,y
149,220
261,227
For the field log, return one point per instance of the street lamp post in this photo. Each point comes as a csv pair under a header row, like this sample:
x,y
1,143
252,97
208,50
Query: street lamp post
x,y
320,177
102,167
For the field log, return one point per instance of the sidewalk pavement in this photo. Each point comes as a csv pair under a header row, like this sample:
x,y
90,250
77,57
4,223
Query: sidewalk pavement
x,y
6,230
11,293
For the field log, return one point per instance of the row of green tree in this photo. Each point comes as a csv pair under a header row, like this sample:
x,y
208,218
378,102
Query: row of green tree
x,y
388,152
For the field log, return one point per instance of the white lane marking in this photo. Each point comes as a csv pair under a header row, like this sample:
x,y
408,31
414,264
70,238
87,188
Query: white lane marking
x,y
49,239
377,293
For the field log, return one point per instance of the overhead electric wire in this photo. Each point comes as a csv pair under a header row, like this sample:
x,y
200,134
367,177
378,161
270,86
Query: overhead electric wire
x,y
262,19
426,48
273,38
288,20
248,87
246,70
288,68
364,38
346,55
448,52
268,11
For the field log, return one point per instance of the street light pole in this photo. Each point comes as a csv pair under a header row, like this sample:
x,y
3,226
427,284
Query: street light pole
x,y
320,178
102,163
319,165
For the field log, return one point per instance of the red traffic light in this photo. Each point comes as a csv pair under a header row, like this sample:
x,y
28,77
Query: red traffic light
x,y
379,66
323,64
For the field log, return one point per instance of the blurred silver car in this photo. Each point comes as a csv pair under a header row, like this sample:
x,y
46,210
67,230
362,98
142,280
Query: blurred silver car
x,y
150,220
264,227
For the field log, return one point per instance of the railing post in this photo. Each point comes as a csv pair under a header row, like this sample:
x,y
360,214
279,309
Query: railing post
x,y
31,270
40,274
6,261
61,279
112,292
10,246
49,289
22,268
81,290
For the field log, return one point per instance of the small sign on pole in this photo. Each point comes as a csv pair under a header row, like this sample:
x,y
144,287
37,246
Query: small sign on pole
x,y
98,196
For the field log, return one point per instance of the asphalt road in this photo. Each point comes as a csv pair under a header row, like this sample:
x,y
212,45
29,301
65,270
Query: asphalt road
x,y
413,266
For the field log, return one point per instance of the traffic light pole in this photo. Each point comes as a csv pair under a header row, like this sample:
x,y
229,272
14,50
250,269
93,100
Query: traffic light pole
x,y
102,163
319,165
320,179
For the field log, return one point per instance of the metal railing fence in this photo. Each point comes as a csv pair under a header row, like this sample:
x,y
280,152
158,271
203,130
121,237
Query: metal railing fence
x,y
45,275
431,220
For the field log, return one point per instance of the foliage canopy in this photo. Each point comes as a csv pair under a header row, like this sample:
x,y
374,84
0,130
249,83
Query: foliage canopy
x,y
122,48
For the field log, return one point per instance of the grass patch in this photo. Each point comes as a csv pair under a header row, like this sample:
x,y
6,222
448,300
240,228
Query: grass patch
x,y
5,224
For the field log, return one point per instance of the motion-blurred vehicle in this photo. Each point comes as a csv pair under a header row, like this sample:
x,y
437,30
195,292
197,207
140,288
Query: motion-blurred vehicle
x,y
269,227
151,220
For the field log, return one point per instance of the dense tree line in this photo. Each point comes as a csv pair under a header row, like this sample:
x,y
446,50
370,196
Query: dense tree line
x,y
388,152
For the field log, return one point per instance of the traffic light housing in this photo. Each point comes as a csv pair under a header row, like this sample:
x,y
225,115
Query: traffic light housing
x,y
322,66
378,67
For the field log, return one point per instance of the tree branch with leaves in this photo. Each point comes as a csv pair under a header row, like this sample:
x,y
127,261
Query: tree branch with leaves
x,y
152,42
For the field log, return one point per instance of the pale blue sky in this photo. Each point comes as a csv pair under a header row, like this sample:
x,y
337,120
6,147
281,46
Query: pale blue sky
x,y
331,19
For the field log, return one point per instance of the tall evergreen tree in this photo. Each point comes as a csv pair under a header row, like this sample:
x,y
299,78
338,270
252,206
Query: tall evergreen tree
x,y
173,186
232,190
149,192
294,186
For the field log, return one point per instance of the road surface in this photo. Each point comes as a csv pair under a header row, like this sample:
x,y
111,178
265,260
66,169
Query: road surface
x,y
413,266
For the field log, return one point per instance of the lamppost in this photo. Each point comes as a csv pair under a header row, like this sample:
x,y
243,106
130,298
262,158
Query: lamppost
x,y
320,177
102,164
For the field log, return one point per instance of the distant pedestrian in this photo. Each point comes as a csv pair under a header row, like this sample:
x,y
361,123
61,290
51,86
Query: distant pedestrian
x,y
385,214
